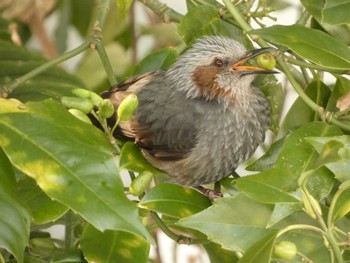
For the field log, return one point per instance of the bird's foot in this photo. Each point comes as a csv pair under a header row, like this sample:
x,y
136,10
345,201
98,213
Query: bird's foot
x,y
211,194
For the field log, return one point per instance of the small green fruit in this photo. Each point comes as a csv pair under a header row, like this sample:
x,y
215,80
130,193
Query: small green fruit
x,y
87,94
106,108
140,183
285,250
266,61
127,107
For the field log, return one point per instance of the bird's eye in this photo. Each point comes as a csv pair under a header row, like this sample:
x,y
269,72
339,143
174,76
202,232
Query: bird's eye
x,y
218,62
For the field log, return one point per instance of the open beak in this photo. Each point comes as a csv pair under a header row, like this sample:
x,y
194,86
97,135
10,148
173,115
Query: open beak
x,y
246,70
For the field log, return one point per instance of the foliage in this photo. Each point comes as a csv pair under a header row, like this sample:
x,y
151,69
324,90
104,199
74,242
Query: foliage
x,y
56,169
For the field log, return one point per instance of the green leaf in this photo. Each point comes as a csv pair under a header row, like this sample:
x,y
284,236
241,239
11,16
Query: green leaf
x,y
174,200
315,45
217,254
15,219
342,205
332,12
334,154
342,86
132,159
261,251
282,211
269,187
70,160
205,20
296,154
235,222
42,208
123,7
113,246
268,160
16,61
160,59
316,91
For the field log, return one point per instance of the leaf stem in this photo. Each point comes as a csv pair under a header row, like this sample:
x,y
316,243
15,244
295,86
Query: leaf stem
x,y
8,88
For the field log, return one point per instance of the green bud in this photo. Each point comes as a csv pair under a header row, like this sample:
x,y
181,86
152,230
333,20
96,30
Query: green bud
x,y
285,250
266,61
81,104
94,98
106,108
80,115
311,205
140,183
127,107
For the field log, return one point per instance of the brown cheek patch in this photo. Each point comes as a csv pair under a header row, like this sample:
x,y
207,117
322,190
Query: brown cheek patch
x,y
204,78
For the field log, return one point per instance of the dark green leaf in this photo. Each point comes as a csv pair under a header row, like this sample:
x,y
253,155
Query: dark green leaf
x,y
268,160
261,251
330,12
160,59
16,61
15,219
269,187
132,159
113,246
342,86
205,20
316,91
334,154
174,200
217,254
70,160
315,45
235,222
43,209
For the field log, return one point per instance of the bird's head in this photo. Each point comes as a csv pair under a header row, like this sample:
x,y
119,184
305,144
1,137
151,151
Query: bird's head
x,y
215,67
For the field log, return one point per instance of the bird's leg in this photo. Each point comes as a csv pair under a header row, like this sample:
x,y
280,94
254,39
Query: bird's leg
x,y
211,194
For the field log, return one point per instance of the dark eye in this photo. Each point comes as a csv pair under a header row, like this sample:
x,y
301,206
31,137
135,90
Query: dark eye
x,y
218,62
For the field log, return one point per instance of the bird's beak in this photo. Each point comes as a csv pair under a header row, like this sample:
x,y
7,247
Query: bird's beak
x,y
245,69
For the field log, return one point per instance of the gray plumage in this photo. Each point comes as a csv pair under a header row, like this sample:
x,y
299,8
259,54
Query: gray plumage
x,y
202,117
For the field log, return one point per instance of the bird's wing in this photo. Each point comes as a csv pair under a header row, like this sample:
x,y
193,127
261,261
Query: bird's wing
x,y
163,126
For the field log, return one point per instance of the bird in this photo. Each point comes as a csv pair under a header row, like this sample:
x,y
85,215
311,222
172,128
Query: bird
x,y
202,117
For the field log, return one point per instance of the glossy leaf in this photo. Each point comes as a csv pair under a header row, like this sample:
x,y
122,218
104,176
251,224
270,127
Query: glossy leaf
x,y
235,222
342,86
71,162
113,246
316,91
282,211
261,251
160,59
15,219
132,159
16,61
342,205
297,156
43,209
205,20
316,46
174,200
217,254
334,154
268,160
332,12
269,187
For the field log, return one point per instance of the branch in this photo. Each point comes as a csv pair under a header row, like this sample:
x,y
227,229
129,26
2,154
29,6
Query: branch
x,y
165,13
